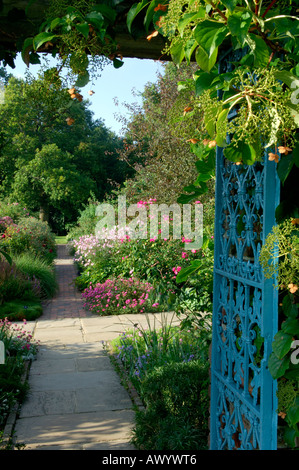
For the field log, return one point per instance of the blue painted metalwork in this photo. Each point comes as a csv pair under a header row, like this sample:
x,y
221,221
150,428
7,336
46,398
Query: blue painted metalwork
x,y
245,310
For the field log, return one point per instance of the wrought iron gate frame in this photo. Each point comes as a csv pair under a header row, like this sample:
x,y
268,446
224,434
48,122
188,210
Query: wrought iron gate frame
x,y
263,415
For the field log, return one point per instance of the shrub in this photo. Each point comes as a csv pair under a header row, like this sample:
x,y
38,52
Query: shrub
x,y
15,239
5,222
13,284
29,234
14,210
42,240
177,408
142,350
86,222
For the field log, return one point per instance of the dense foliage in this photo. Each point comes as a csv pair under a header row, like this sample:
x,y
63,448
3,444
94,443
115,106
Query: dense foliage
x,y
53,154
27,251
168,368
120,273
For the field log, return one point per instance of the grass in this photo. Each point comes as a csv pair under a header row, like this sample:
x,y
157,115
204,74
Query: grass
x,y
61,240
17,310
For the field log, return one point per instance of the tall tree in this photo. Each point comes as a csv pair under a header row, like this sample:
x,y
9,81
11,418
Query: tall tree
x,y
52,153
156,139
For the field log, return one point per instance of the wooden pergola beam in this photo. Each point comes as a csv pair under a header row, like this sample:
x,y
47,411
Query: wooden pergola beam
x,y
15,27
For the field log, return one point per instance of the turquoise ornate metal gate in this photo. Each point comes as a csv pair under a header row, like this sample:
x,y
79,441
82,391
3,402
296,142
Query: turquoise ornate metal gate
x,y
243,393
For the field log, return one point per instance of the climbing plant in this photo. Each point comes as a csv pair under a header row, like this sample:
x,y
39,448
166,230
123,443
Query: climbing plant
x,y
261,89
280,259
78,35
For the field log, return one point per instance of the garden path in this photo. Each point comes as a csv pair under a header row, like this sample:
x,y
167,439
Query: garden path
x,y
76,401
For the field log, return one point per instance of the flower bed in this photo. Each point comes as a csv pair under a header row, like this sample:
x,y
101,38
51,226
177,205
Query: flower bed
x,y
27,251
19,349
118,295
168,367
158,261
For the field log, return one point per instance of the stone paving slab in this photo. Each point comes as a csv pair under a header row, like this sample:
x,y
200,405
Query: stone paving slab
x,y
76,400
76,429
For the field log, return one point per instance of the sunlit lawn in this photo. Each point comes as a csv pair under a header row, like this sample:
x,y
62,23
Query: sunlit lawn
x,y
60,240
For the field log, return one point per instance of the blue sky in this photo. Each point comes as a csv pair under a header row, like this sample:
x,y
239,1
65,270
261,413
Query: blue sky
x,y
112,84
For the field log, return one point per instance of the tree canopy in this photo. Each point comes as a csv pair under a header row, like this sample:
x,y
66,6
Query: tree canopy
x,y
53,154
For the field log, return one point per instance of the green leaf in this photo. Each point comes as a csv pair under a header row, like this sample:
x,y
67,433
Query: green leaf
x,y
133,12
82,80
221,128
284,167
205,168
83,28
41,39
177,52
187,18
292,372
117,63
281,344
34,58
277,367
289,309
259,50
205,62
27,47
210,35
210,120
290,435
189,48
239,23
95,15
96,19
6,256
230,4
291,326
203,82
240,152
287,26
201,151
106,11
286,77
56,22
195,192
183,275
150,13
293,413
294,107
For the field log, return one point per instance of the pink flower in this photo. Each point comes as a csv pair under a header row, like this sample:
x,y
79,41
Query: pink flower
x,y
176,270
186,240
184,255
